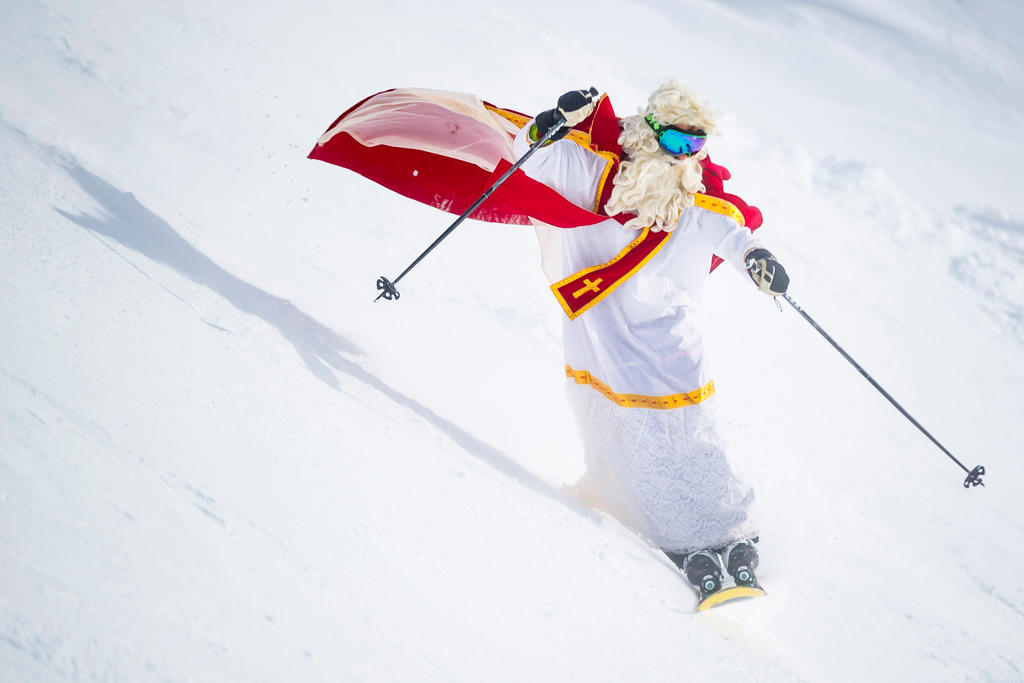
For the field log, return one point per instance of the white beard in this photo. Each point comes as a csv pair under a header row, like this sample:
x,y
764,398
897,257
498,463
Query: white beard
x,y
656,187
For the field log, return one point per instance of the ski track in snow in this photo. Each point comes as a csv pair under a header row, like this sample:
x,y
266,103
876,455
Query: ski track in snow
x,y
220,460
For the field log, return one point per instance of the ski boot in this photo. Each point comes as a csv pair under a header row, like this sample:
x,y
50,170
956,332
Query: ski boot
x,y
740,561
704,571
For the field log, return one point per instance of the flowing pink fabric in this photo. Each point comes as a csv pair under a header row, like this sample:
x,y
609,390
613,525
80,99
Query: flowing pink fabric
x,y
443,149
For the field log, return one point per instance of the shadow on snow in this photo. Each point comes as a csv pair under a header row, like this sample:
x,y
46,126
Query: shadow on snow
x,y
134,226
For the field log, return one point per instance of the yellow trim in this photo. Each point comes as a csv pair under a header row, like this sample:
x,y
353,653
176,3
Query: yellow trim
x,y
727,594
609,290
518,120
610,160
668,402
717,205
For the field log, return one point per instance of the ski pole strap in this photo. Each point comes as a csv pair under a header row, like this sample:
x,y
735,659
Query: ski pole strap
x,y
973,475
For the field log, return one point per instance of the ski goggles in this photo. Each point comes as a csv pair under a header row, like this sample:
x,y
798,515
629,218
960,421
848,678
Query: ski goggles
x,y
676,141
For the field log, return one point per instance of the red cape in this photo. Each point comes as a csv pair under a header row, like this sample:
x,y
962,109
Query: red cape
x,y
435,168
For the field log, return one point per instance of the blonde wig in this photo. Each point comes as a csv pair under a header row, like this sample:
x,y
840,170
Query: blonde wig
x,y
650,183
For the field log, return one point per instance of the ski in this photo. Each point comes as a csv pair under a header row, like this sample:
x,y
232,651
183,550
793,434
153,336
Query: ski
x,y
730,594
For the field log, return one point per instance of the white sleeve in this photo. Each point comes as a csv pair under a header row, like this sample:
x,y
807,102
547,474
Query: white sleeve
x,y
729,239
564,166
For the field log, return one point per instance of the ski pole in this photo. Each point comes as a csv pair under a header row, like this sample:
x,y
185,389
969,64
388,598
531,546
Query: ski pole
x,y
387,287
973,476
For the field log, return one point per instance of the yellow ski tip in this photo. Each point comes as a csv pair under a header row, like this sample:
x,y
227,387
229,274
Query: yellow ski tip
x,y
727,594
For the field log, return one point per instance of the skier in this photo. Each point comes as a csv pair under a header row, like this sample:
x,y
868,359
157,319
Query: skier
x,y
639,213
638,382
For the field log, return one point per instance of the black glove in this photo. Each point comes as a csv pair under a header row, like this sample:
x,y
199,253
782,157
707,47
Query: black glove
x,y
573,106
767,273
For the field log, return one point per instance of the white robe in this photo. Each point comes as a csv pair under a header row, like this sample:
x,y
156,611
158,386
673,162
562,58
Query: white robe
x,y
662,472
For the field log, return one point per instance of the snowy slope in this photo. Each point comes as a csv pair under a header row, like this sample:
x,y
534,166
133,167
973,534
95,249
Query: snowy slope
x,y
220,460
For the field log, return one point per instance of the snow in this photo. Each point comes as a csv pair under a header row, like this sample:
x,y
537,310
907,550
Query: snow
x,y
220,460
